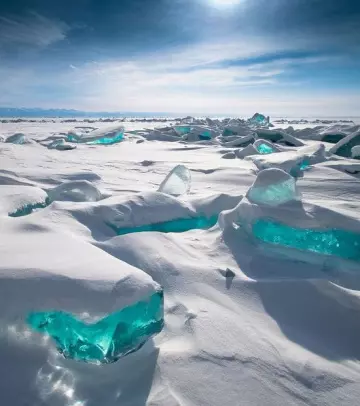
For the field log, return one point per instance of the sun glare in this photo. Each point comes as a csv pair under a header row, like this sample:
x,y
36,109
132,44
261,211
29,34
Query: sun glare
x,y
224,3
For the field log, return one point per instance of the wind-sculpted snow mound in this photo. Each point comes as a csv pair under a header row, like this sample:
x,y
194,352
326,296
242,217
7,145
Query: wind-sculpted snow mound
x,y
148,212
294,162
17,201
272,213
258,270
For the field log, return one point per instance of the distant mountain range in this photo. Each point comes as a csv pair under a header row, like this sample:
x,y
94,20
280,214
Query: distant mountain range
x,y
37,112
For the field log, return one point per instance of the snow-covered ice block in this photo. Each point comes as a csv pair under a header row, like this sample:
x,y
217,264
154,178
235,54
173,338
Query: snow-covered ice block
x,y
105,341
177,182
61,145
17,201
75,191
237,128
273,187
294,161
344,147
104,136
355,152
279,136
238,141
247,151
18,138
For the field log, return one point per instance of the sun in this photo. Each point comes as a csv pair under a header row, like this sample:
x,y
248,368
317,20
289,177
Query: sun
x,y
225,3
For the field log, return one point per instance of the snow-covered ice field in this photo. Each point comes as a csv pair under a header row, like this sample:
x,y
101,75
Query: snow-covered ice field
x,y
247,321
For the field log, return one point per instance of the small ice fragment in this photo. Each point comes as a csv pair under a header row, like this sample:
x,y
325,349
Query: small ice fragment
x,y
259,120
177,182
273,187
107,340
75,191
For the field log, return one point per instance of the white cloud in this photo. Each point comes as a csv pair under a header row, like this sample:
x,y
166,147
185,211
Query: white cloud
x,y
186,80
32,29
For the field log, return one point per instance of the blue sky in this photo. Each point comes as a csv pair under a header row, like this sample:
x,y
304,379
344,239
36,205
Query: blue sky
x,y
281,57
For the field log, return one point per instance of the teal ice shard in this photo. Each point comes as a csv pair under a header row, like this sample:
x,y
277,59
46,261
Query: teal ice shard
x,y
265,147
105,341
177,182
104,136
273,187
17,138
342,243
19,200
180,225
259,120
182,129
194,132
29,208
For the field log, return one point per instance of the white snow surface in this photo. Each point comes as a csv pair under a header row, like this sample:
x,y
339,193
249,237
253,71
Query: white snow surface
x,y
244,324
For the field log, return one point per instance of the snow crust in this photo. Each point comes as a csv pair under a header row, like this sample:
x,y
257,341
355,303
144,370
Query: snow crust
x,y
246,322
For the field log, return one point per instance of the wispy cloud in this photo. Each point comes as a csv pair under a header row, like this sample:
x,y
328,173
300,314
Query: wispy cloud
x,y
32,29
187,77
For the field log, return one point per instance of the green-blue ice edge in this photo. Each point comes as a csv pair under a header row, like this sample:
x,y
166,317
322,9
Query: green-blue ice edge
x,y
29,208
264,149
103,141
172,226
301,166
341,243
107,340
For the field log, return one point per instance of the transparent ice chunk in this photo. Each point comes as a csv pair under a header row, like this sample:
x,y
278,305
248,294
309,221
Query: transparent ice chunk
x,y
18,138
107,340
265,147
177,182
75,191
342,243
273,187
